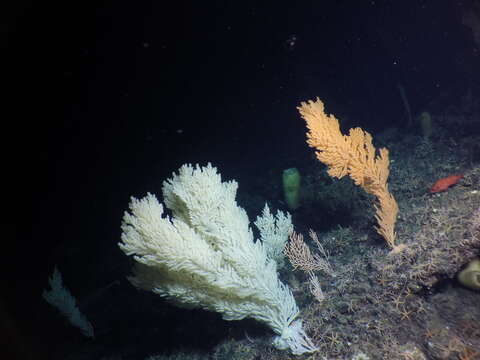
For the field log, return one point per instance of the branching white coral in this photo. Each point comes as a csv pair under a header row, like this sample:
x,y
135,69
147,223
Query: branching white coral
x,y
205,255
61,298
274,233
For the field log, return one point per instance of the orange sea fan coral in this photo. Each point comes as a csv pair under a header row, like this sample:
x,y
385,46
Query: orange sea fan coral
x,y
353,155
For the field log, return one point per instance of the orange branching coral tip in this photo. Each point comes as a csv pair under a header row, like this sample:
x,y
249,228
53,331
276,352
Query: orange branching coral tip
x,y
353,155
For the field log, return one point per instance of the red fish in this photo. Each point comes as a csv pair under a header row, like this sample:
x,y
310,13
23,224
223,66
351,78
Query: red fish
x,y
445,183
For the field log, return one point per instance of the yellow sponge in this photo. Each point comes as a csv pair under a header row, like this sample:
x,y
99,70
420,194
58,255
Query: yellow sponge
x,y
470,276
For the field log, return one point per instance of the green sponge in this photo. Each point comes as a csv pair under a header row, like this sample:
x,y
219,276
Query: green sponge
x,y
291,187
425,120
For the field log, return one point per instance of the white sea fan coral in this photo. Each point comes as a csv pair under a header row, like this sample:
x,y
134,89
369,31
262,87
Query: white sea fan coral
x,y
205,255
274,233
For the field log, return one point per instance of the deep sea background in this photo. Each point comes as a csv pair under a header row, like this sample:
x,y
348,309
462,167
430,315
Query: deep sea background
x,y
104,100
